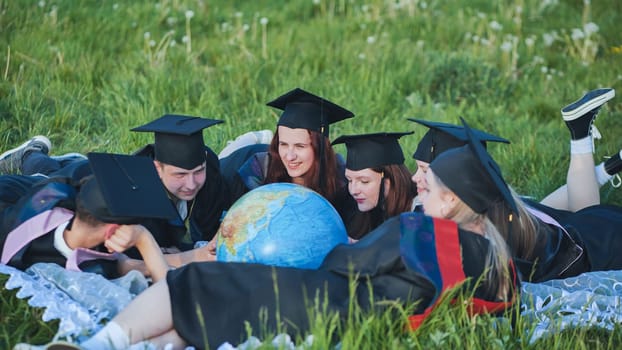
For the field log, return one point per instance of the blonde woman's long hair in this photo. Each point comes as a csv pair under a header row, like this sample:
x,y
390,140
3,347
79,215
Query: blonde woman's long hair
x,y
498,276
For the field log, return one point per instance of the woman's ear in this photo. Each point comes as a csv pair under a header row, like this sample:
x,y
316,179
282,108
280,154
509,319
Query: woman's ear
x,y
387,186
450,200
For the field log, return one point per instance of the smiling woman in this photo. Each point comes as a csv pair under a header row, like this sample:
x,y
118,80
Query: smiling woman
x,y
300,151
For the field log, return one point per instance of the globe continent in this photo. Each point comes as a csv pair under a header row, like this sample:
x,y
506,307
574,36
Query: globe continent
x,y
280,224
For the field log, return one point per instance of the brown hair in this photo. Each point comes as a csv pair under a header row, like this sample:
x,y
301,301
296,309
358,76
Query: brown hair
x,y
332,179
398,200
81,212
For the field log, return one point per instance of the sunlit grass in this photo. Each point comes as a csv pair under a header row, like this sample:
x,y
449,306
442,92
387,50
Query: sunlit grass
x,y
84,73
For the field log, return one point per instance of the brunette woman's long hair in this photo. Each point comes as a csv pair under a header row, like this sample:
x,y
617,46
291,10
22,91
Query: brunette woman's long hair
x,y
332,180
398,200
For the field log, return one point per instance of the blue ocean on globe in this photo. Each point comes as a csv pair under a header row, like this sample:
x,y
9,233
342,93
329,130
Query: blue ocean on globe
x,y
280,224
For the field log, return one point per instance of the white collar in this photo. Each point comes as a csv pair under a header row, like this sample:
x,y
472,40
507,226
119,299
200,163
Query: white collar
x,y
182,209
59,240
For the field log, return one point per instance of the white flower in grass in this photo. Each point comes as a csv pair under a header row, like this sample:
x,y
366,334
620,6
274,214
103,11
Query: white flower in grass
x,y
494,25
484,42
620,77
263,21
152,43
530,41
134,24
147,35
173,43
171,21
316,2
548,39
115,6
506,46
365,8
246,27
371,39
467,35
224,26
544,69
41,3
475,38
423,5
538,59
586,2
361,56
419,44
481,15
238,14
590,28
185,39
577,34
189,14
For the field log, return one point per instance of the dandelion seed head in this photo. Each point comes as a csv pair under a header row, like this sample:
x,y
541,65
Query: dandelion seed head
x,y
481,15
361,56
173,43
530,41
263,21
577,34
423,5
224,26
506,46
549,77
170,21
152,43
189,14
185,39
316,2
544,69
484,41
246,27
420,44
41,3
548,39
371,39
494,25
365,8
147,35
538,59
590,28
238,14
115,6
586,2
519,9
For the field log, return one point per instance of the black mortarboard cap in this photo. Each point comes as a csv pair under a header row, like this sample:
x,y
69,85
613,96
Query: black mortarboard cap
x,y
304,110
442,137
372,150
471,173
179,139
124,190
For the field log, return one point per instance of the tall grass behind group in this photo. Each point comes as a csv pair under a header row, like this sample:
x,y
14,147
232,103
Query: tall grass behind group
x,y
84,73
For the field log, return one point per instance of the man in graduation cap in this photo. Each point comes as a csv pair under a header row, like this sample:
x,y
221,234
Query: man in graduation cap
x,y
439,138
190,172
57,221
377,178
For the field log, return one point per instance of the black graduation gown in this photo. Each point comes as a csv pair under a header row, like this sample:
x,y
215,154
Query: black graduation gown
x,y
593,243
211,301
22,197
206,210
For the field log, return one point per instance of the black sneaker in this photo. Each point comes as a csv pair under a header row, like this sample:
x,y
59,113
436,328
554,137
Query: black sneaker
x,y
11,160
580,114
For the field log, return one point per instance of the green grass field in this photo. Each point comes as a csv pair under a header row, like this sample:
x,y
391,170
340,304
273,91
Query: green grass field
x,y
85,72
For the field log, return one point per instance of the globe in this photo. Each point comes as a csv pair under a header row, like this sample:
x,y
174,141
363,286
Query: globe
x,y
280,224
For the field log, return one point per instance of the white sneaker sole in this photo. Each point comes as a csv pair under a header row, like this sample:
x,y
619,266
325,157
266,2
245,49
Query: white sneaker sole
x,y
594,103
39,138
